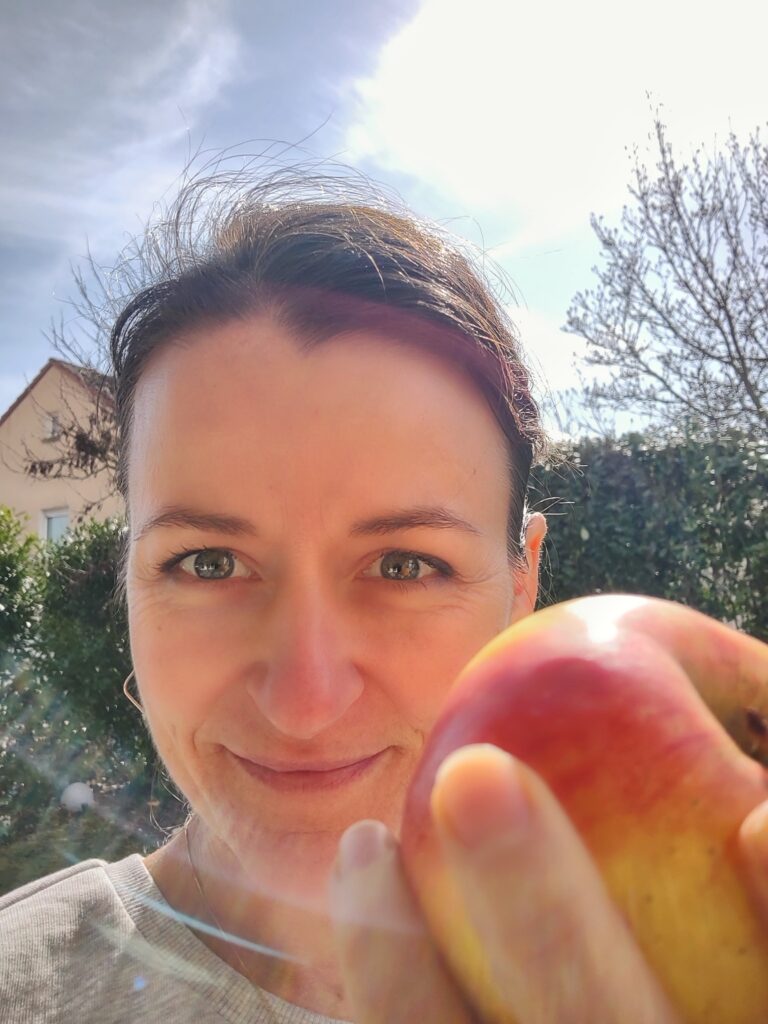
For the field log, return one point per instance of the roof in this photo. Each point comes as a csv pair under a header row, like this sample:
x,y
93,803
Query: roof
x,y
98,384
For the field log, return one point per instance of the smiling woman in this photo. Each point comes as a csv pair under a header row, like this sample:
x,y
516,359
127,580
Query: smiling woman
x,y
326,432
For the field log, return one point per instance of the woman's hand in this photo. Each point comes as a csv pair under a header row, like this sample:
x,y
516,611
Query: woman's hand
x,y
558,948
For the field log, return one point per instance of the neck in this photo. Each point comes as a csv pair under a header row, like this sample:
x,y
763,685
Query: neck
x,y
200,876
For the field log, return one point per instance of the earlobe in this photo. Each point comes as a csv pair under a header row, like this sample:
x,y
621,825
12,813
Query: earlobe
x,y
527,575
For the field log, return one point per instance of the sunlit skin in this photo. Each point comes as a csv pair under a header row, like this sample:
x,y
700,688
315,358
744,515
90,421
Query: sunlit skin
x,y
310,654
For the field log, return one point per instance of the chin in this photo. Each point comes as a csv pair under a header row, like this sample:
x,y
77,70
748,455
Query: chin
x,y
285,843
287,850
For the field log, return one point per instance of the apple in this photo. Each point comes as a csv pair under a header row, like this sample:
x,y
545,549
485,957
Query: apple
x,y
649,723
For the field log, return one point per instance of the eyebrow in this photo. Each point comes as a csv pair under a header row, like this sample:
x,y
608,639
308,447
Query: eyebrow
x,y
435,517
178,515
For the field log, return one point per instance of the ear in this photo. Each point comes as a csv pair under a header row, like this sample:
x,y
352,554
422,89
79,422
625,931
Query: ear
x,y
526,577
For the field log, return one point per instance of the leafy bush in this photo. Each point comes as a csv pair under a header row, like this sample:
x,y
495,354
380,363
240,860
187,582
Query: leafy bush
x,y
80,650
683,520
64,718
17,588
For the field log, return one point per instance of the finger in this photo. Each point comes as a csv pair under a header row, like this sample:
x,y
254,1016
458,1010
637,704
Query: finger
x,y
392,971
558,948
753,842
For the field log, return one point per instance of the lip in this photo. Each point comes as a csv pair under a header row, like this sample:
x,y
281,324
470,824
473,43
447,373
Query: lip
x,y
304,776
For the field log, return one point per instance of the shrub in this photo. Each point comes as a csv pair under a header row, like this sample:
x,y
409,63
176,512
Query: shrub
x,y
18,597
683,520
64,718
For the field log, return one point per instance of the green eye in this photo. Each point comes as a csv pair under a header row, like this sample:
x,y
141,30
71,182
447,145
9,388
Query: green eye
x,y
210,564
400,565
409,567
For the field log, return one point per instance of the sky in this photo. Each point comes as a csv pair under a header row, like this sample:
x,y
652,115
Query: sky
x,y
507,122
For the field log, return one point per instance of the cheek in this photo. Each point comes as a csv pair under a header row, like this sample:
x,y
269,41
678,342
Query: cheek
x,y
184,658
419,665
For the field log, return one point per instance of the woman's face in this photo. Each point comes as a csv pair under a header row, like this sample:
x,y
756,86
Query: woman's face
x,y
318,546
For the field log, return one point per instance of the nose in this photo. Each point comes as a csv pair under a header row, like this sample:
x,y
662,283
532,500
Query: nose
x,y
306,679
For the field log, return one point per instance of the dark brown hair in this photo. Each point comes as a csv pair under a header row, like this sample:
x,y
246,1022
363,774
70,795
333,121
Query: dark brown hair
x,y
323,256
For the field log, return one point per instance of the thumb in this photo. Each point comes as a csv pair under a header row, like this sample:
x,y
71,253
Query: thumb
x,y
753,844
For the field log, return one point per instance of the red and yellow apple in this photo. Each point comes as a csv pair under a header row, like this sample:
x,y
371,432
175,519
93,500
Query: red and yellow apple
x,y
648,721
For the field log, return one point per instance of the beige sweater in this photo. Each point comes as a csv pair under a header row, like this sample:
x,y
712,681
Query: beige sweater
x,y
98,943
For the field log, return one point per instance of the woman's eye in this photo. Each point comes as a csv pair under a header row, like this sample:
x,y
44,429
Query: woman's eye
x,y
212,564
406,566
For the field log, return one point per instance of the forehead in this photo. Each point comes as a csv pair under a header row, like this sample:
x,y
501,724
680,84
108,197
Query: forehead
x,y
243,410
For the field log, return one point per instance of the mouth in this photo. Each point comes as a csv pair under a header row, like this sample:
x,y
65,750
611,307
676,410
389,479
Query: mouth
x,y
310,776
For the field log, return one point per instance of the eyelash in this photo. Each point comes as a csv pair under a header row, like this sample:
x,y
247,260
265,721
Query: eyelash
x,y
443,570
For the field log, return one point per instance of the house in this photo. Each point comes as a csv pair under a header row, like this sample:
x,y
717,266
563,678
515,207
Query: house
x,y
33,432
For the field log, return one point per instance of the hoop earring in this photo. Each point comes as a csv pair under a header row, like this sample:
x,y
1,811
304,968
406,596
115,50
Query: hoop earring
x,y
129,695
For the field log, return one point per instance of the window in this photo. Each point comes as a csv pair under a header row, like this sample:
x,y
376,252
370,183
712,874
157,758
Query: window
x,y
56,523
52,427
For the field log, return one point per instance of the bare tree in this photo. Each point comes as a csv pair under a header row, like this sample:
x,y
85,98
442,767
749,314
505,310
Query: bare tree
x,y
679,315
83,441
86,442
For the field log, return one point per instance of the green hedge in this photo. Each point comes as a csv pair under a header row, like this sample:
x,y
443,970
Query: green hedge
x,y
681,520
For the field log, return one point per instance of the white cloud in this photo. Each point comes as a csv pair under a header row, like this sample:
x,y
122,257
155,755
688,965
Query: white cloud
x,y
101,102
524,110
109,165
166,87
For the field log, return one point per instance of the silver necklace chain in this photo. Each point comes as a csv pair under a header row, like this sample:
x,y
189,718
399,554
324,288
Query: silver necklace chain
x,y
206,902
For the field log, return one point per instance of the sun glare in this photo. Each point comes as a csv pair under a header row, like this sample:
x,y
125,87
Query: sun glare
x,y
526,109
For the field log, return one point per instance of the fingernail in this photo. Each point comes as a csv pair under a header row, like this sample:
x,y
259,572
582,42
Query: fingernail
x,y
480,795
362,844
